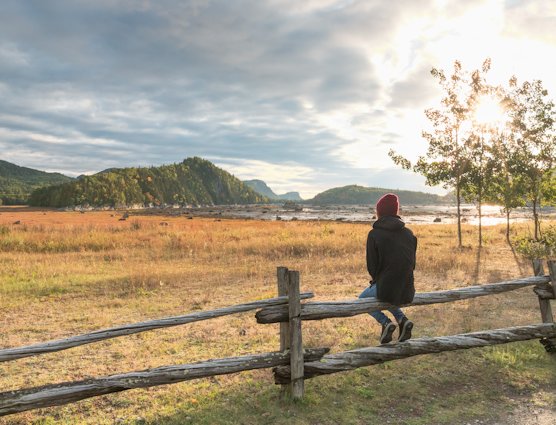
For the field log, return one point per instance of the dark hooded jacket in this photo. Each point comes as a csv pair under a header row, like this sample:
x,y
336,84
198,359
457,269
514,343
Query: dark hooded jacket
x,y
391,251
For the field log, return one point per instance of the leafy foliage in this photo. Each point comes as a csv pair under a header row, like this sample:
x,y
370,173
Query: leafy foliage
x,y
544,247
509,161
533,124
446,161
17,183
193,181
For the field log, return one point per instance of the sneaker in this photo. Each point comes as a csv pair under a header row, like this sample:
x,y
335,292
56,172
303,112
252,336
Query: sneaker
x,y
406,326
387,332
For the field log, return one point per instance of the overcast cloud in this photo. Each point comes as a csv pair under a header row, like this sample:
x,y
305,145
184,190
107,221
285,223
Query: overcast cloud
x,y
305,95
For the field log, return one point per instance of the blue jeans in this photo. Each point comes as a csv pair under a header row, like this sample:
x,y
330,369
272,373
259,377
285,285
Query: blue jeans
x,y
370,292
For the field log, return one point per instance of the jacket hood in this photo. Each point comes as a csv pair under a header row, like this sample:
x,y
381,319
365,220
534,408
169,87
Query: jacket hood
x,y
389,222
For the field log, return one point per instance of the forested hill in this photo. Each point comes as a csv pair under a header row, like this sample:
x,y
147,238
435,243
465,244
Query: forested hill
x,y
193,181
370,195
17,183
262,188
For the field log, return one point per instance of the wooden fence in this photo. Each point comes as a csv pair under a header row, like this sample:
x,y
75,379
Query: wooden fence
x,y
292,364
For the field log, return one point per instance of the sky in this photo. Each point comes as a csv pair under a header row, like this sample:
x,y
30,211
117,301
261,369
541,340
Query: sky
x,y
305,95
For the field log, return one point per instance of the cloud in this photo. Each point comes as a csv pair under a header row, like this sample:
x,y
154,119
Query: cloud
x,y
415,90
536,18
321,89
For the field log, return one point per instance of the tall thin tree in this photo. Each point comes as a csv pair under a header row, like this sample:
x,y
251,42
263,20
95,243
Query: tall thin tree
x,y
506,187
481,102
533,122
446,161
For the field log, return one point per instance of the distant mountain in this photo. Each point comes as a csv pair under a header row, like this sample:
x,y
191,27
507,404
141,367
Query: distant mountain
x,y
17,183
291,196
261,187
193,181
355,194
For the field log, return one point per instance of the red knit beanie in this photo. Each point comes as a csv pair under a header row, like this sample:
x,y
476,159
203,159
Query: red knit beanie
x,y
389,204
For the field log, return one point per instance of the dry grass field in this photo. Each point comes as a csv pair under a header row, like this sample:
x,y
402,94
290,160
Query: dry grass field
x,y
65,273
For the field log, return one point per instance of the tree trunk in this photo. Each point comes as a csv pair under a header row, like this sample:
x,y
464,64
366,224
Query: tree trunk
x,y
536,219
458,185
481,177
508,226
480,217
458,197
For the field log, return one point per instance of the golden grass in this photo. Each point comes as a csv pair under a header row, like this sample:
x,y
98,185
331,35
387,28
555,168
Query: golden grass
x,y
64,273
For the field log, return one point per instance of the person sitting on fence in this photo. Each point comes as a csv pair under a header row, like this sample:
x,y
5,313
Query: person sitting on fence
x,y
391,249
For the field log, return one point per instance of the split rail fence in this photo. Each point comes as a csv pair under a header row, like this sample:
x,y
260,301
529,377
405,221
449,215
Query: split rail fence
x,y
292,364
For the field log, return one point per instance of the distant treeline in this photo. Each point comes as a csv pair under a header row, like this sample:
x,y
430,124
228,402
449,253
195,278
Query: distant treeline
x,y
193,181
355,194
17,183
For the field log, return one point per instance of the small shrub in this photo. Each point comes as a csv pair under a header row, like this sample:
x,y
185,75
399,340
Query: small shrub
x,y
545,247
327,231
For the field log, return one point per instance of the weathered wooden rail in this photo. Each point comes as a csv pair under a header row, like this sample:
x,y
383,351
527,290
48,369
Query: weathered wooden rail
x,y
353,359
292,364
69,392
326,310
100,335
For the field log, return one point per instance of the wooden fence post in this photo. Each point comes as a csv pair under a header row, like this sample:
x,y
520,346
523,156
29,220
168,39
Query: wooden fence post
x,y
296,342
538,267
283,286
544,301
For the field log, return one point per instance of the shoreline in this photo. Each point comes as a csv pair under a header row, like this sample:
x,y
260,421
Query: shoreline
x,y
363,214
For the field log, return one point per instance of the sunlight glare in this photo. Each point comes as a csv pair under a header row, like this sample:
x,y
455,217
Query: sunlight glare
x,y
489,112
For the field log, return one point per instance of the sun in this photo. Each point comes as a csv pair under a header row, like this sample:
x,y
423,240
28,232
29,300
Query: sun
x,y
489,112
